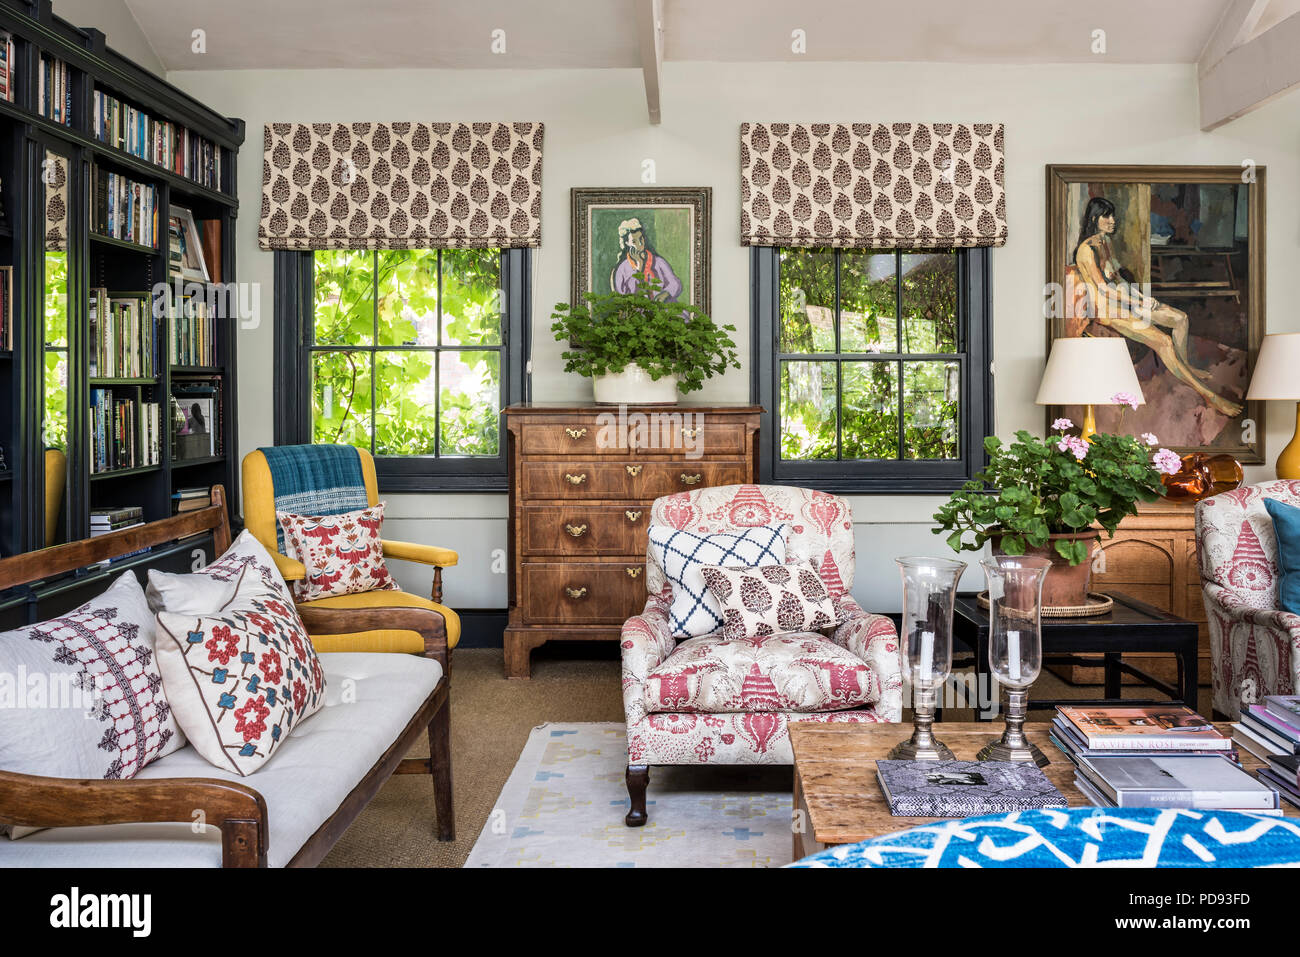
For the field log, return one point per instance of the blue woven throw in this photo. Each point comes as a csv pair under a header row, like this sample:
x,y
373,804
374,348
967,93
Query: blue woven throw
x,y
315,480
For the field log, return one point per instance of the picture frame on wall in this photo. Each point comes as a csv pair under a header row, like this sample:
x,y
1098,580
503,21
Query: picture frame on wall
x,y
1170,258
185,247
621,235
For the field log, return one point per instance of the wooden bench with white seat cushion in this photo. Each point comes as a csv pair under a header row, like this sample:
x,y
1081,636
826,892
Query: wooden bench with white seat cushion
x,y
290,812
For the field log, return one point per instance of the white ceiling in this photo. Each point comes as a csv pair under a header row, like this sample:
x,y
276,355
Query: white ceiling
x,y
317,34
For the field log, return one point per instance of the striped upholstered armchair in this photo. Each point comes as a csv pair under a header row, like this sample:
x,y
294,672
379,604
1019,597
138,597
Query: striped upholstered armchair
x,y
711,700
330,480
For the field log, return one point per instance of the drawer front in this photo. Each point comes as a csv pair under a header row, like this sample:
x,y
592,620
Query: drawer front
x,y
581,593
581,529
637,481
670,433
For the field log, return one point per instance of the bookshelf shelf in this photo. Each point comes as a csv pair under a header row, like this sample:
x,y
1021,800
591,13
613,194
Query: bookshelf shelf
x,y
135,419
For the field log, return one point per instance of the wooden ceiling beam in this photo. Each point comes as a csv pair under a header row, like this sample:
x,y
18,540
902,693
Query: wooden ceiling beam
x,y
1251,74
649,16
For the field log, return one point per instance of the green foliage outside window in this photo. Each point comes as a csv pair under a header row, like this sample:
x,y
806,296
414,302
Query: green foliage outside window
x,y
875,314
54,424
406,356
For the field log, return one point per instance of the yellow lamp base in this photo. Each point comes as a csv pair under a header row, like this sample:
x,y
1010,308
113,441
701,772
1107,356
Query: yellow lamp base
x,y
1090,424
1288,463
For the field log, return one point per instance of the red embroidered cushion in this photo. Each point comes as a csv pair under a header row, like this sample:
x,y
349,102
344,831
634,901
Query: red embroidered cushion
x,y
343,554
770,600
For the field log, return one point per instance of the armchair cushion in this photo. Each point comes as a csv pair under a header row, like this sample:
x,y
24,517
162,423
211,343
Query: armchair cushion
x,y
800,671
680,555
769,599
343,554
1286,525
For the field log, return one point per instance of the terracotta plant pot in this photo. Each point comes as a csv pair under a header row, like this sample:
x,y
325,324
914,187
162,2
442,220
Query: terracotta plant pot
x,y
1066,585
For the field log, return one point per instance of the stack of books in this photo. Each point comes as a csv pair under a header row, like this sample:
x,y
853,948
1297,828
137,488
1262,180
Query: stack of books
x,y
123,208
105,520
191,499
964,788
1271,732
54,91
1165,756
122,337
161,142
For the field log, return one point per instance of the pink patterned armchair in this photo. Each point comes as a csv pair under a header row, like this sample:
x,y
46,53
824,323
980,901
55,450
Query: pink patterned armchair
x,y
708,700
1254,645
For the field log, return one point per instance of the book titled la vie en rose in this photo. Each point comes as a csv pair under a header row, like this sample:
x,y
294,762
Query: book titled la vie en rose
x,y
1158,728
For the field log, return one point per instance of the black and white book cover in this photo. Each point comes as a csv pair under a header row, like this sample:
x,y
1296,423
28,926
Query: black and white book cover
x,y
964,788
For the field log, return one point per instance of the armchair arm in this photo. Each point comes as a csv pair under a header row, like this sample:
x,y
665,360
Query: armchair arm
x,y
1235,610
874,639
343,621
424,554
647,640
240,812
291,570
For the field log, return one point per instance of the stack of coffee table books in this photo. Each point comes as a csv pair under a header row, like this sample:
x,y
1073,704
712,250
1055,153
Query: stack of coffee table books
x,y
964,788
1172,730
1271,732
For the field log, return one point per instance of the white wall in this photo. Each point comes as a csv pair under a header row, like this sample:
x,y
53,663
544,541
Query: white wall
x,y
597,135
117,23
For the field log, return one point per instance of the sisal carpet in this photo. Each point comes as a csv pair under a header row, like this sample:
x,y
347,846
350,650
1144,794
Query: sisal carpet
x,y
492,719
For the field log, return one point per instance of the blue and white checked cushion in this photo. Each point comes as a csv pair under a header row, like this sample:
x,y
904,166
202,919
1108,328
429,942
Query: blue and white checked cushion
x,y
1082,837
681,555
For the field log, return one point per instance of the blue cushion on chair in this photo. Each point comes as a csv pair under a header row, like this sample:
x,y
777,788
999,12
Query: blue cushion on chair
x,y
1286,523
1082,837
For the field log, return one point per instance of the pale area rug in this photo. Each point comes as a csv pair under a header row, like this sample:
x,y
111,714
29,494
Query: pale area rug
x,y
563,806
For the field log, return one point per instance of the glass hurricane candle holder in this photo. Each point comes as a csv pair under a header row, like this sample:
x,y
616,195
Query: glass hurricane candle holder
x,y
929,590
1015,647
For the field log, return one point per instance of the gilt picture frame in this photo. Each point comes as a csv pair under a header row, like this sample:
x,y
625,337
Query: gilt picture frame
x,y
1171,258
620,236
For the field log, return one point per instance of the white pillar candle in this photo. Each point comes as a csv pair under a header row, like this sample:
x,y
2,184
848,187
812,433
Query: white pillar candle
x,y
1013,656
925,666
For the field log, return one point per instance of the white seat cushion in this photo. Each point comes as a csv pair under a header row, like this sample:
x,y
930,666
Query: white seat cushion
x,y
304,783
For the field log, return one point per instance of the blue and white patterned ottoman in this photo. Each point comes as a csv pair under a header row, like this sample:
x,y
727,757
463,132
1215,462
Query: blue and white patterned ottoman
x,y
1082,837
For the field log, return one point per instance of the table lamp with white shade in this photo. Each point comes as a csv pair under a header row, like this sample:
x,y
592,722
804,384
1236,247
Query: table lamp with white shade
x,y
1088,371
1277,376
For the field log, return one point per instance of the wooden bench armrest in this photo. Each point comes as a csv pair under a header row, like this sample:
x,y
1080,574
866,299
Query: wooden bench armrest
x,y
240,812
343,621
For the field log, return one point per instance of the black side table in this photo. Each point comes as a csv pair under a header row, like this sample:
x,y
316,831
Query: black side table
x,y
1130,626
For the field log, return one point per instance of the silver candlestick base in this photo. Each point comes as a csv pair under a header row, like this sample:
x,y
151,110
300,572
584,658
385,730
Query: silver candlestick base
x,y
922,745
1013,745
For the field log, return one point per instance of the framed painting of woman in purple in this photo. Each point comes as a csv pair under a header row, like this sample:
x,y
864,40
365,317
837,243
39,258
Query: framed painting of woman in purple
x,y
1171,259
623,238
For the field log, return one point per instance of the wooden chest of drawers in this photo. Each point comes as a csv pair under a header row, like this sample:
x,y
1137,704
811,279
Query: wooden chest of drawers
x,y
581,482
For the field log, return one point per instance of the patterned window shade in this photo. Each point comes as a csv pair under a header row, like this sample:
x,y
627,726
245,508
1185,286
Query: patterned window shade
x,y
884,185
401,185
55,176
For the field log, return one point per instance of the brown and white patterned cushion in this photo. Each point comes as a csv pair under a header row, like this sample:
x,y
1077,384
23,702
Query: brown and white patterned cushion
x,y
769,599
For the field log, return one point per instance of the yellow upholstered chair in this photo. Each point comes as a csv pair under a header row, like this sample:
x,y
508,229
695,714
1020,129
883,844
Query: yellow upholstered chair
x,y
259,518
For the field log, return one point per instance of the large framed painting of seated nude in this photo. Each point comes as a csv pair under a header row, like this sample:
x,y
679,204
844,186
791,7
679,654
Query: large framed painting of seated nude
x,y
1170,258
624,237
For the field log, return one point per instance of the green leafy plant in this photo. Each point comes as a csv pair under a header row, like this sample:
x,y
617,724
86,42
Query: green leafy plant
x,y
612,331
1033,488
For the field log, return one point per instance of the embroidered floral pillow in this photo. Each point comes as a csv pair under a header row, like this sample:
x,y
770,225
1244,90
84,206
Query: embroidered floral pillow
x,y
343,554
770,599
241,677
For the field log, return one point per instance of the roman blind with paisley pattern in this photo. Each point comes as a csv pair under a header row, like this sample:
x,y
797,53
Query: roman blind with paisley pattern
x,y
401,185
880,185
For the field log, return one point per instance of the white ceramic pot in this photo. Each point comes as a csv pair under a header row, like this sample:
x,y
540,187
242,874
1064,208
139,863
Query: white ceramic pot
x,y
634,386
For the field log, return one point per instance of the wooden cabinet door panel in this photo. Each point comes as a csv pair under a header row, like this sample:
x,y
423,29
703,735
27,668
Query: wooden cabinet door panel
x,y
1133,560
583,529
582,593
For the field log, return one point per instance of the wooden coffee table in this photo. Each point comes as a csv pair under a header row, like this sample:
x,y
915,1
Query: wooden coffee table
x,y
835,782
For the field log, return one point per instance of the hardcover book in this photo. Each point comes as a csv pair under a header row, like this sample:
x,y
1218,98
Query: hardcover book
x,y
1285,706
1165,728
1169,781
964,788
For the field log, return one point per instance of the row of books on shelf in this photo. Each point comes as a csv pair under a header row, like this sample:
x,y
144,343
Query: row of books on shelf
x,y
123,340
6,307
54,90
125,433
193,334
7,66
161,142
124,208
1166,756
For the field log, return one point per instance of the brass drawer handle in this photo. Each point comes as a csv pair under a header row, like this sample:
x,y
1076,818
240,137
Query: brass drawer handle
x,y
576,593
691,479
575,479
577,531
632,516
632,572
576,434
690,433
633,470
